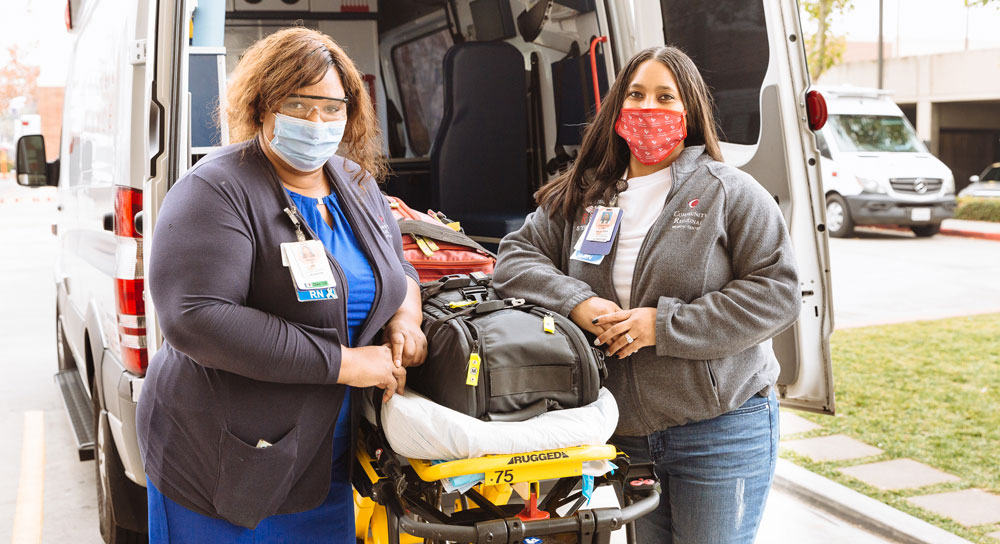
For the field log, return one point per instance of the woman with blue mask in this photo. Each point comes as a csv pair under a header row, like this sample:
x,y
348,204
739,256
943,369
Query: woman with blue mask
x,y
280,286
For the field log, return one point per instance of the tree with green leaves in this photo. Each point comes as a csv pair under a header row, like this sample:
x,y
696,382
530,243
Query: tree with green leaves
x,y
824,48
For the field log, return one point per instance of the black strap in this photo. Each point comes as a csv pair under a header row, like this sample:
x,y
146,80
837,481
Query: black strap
x,y
533,379
441,233
476,309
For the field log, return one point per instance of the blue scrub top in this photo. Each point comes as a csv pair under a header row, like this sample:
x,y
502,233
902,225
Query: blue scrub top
x,y
340,242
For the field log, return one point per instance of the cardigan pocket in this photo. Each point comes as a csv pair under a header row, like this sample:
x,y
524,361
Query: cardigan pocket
x,y
253,482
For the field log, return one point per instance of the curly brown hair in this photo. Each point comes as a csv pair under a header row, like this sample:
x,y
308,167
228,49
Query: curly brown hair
x,y
277,65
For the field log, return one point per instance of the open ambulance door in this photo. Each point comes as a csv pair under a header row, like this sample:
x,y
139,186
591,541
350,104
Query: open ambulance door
x,y
164,114
751,55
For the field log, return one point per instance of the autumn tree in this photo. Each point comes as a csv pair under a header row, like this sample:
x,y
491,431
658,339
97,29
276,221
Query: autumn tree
x,y
16,79
823,47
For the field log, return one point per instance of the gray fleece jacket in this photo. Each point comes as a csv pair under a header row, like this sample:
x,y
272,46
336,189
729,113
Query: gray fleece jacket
x,y
718,267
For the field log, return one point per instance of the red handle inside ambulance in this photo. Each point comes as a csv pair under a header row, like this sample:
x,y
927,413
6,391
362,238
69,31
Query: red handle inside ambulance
x,y
593,69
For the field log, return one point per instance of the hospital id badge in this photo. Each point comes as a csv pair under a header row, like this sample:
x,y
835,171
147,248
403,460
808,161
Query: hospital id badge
x,y
578,255
601,232
308,265
603,223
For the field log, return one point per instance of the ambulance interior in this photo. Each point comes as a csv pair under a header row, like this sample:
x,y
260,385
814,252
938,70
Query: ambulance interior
x,y
482,101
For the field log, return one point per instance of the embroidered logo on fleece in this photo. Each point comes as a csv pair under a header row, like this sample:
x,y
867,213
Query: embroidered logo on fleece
x,y
688,220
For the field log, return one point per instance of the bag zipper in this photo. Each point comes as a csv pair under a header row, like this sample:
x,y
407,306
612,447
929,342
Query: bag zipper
x,y
478,392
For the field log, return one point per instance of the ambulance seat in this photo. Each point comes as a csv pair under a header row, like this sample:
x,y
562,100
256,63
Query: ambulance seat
x,y
479,161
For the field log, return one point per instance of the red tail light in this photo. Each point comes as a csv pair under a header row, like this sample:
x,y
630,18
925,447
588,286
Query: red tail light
x,y
128,293
129,281
816,107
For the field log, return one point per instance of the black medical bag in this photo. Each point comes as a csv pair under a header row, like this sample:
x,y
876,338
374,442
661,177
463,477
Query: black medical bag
x,y
501,359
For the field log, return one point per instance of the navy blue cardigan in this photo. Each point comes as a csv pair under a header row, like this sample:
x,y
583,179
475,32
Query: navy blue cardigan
x,y
243,360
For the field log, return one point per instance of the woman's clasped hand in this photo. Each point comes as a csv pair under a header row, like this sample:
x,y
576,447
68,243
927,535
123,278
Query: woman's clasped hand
x,y
627,331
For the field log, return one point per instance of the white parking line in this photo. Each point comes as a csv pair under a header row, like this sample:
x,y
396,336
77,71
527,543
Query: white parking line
x,y
30,487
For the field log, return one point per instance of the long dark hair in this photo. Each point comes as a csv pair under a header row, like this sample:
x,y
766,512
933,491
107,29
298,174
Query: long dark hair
x,y
606,155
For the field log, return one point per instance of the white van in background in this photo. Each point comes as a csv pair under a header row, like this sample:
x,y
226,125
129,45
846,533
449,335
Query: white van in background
x,y
480,101
875,169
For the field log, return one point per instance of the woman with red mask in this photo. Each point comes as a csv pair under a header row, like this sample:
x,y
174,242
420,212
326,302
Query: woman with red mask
x,y
682,268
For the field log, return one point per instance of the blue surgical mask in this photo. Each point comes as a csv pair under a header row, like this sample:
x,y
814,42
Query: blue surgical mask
x,y
306,145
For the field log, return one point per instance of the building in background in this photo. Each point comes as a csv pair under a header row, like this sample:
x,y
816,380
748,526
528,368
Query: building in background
x,y
50,107
953,100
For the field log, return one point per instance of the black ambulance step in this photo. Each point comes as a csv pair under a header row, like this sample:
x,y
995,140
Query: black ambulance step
x,y
80,411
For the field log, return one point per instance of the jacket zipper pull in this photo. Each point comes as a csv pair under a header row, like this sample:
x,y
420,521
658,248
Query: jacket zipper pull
x,y
472,377
295,221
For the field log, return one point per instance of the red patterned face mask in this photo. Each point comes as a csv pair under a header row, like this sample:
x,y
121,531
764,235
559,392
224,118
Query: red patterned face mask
x,y
651,134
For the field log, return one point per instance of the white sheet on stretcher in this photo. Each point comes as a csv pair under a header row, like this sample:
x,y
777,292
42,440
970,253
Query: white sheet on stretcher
x,y
421,429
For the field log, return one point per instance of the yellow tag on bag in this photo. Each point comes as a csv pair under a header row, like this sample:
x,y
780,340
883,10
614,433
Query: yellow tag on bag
x,y
549,324
472,378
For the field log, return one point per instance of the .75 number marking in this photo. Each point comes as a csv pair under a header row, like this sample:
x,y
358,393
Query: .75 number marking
x,y
504,476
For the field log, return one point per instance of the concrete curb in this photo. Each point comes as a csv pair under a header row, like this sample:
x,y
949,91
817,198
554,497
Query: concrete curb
x,y
965,233
972,234
866,512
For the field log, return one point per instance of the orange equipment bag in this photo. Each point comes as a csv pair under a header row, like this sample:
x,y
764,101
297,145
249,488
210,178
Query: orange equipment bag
x,y
436,246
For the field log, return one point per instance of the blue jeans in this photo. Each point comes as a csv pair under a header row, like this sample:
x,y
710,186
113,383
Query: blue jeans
x,y
715,475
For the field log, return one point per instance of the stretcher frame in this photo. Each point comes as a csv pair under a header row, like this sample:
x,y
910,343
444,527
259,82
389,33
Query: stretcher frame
x,y
402,503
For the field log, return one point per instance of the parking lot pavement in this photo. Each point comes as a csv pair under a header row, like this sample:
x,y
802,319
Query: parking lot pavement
x,y
56,497
788,520
883,276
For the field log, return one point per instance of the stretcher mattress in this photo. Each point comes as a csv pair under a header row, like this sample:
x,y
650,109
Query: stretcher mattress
x,y
419,428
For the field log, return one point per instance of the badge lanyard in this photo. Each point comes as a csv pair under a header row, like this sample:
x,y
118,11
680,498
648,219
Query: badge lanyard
x,y
306,260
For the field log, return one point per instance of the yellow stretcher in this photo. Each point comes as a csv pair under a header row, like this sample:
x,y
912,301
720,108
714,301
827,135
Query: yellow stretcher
x,y
400,503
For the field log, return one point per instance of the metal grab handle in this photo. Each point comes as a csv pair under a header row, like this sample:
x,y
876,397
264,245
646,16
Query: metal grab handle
x,y
593,69
496,532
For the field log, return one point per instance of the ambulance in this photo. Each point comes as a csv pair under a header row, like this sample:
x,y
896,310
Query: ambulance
x,y
876,171
523,76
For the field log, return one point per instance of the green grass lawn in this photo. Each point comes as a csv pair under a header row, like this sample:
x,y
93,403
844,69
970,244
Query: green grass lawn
x,y
928,391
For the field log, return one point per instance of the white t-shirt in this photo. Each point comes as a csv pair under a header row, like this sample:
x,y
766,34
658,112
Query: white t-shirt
x,y
641,205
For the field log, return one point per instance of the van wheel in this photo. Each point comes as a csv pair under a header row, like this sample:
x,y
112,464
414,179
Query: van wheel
x,y
838,217
926,231
113,487
63,354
